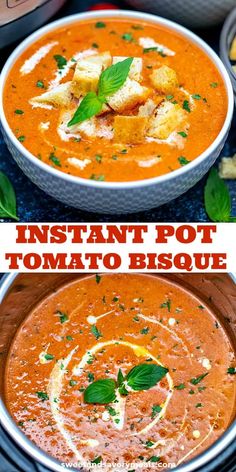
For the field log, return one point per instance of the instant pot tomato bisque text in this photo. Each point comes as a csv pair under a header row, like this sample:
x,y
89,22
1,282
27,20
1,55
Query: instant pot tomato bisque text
x,y
137,118
109,328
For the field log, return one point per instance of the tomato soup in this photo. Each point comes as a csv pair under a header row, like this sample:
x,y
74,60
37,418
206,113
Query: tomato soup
x,y
136,120
121,369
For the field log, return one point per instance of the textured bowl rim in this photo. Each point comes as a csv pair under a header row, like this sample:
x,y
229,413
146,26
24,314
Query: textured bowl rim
x,y
123,14
203,459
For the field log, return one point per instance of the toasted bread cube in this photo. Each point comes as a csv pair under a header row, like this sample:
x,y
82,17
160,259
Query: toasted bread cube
x,y
87,73
227,168
58,96
128,96
232,52
136,67
129,129
164,79
166,120
147,109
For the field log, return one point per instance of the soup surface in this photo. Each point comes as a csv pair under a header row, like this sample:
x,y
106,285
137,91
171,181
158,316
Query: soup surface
x,y
166,112
97,327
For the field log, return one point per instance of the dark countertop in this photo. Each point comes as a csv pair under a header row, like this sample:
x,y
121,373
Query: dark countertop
x,y
34,205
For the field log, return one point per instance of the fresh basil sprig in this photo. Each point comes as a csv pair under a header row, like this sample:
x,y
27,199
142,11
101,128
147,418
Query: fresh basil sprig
x,y
7,198
140,377
217,199
111,80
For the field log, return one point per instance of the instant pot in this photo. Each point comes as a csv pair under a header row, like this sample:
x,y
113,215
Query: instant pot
x,y
20,292
20,17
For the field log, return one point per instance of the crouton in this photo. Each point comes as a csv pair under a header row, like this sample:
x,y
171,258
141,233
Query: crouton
x,y
232,52
147,109
128,96
167,118
87,73
129,129
227,168
58,96
136,67
164,79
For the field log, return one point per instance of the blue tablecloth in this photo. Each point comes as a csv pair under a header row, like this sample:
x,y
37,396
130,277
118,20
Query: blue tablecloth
x,y
35,205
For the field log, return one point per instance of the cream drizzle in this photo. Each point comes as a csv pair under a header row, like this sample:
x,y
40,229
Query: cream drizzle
x,y
150,43
30,64
61,73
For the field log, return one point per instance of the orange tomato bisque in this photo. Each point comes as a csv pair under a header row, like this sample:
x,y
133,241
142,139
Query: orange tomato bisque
x,y
100,328
170,108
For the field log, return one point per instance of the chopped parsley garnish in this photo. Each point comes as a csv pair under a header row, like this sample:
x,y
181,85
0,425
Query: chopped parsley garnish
x,y
155,410
100,24
231,370
181,386
42,396
183,134
63,316
98,278
186,106
167,305
127,37
56,161
154,459
135,318
72,382
40,84
137,27
183,161
111,411
19,112
69,338
124,151
97,460
196,380
149,443
95,45
99,178
21,139
156,49
214,84
201,307
98,158
115,299
96,332
60,60
196,96
198,405
191,392
90,377
48,357
144,330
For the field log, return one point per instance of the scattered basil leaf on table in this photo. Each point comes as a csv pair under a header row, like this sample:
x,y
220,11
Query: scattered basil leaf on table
x,y
140,377
217,199
110,81
7,198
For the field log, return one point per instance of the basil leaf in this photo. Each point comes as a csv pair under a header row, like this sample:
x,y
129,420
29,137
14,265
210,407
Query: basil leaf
x,y
113,78
217,198
145,376
101,391
89,107
7,198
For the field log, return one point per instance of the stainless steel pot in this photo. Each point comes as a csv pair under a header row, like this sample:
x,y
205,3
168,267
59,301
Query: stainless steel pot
x,y
20,292
20,17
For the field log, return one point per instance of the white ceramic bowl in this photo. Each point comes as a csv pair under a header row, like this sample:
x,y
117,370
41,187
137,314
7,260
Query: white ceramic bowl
x,y
115,197
191,13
